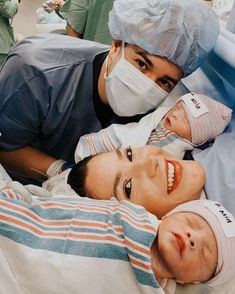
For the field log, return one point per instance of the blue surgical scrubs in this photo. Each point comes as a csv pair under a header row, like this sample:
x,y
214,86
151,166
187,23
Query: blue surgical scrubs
x,y
46,96
49,96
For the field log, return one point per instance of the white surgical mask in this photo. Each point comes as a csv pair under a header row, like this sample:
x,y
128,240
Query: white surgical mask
x,y
129,91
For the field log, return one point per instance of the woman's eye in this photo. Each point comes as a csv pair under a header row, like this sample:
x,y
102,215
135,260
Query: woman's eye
x,y
127,188
129,153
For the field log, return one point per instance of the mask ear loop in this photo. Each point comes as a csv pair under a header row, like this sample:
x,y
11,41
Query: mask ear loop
x,y
106,66
107,59
123,49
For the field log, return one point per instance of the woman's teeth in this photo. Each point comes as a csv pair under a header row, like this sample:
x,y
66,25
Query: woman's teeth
x,y
171,176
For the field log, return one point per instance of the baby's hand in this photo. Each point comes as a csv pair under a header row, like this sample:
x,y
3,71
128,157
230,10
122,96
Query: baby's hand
x,y
13,194
24,193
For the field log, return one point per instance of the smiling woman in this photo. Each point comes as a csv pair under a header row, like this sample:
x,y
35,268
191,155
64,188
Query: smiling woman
x,y
148,176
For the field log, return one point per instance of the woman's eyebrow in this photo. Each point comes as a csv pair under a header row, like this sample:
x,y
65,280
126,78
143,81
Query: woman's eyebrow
x,y
118,176
119,153
116,183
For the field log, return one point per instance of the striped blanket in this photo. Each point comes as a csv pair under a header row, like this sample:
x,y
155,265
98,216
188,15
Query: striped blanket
x,y
75,246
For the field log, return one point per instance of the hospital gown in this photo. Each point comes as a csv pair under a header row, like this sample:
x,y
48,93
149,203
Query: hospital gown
x,y
8,10
89,18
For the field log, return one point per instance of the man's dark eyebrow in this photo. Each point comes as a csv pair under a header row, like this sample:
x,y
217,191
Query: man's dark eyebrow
x,y
145,56
149,62
174,81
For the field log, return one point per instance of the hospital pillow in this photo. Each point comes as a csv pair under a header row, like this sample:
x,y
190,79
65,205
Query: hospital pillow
x,y
4,177
216,79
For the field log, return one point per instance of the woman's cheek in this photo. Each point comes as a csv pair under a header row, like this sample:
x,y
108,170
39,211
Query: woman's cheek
x,y
198,180
201,174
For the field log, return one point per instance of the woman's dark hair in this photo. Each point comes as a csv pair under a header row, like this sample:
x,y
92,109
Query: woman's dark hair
x,y
77,177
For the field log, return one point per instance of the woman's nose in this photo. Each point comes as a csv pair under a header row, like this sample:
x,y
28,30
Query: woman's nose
x,y
147,166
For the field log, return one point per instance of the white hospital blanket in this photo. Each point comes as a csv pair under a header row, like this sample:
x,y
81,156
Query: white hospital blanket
x,y
4,177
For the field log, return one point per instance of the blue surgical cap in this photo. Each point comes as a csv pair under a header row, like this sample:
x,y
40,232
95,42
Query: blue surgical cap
x,y
183,31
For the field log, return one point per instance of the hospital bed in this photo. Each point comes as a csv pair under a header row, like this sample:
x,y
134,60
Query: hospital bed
x,y
216,78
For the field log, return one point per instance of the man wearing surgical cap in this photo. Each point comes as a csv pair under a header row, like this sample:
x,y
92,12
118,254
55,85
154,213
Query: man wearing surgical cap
x,y
54,88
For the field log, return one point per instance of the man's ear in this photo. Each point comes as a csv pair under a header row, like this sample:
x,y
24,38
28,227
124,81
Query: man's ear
x,y
116,44
115,49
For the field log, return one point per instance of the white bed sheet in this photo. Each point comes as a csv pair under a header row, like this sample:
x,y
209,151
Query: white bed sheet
x,y
4,177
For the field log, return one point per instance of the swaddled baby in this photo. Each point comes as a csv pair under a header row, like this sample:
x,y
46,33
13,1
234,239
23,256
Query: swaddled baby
x,y
194,120
84,246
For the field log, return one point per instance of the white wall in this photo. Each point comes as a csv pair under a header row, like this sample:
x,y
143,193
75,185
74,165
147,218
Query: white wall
x,y
25,20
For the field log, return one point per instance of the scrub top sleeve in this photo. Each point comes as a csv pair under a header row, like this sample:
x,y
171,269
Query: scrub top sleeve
x,y
8,9
22,115
75,12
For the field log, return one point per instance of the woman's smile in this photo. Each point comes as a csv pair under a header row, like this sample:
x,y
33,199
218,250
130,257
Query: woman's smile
x,y
174,174
170,176
147,176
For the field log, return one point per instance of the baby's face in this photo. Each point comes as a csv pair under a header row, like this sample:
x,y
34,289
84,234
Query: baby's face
x,y
186,249
176,120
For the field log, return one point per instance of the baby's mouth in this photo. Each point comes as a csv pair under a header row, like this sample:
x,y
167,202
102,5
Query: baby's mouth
x,y
173,171
180,242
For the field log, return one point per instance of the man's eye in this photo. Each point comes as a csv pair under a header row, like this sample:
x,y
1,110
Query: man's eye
x,y
127,188
129,153
166,84
141,64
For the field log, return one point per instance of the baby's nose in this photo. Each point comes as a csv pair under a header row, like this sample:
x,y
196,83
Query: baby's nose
x,y
191,239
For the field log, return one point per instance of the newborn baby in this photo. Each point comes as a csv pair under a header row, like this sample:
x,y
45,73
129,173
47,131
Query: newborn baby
x,y
192,121
70,244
